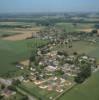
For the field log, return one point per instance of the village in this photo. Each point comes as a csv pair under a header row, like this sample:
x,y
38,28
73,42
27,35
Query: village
x,y
49,50
55,70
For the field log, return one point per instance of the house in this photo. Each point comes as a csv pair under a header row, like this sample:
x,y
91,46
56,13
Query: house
x,y
51,68
43,86
7,92
58,89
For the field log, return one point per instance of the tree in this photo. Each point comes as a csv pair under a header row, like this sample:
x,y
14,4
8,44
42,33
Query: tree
x,y
12,88
1,97
31,59
94,31
75,53
85,72
24,97
79,78
59,73
16,82
2,86
62,53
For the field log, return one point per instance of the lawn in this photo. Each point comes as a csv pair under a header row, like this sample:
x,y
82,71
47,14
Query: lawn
x,y
11,52
89,90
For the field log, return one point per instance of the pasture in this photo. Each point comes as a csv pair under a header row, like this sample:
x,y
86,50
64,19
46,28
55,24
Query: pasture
x,y
72,27
89,90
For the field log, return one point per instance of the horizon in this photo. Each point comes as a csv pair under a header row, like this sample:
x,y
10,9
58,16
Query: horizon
x,y
46,6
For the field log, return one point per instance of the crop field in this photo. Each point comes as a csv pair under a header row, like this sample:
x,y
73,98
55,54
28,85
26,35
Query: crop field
x,y
17,30
89,90
70,27
12,52
16,23
13,44
18,34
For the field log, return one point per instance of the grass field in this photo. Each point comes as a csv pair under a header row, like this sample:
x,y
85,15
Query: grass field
x,y
17,96
70,27
89,90
11,52
82,47
36,91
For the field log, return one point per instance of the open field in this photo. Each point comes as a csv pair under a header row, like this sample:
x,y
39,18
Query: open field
x,y
16,37
19,34
86,30
16,23
78,27
17,96
18,30
89,90
36,91
12,52
82,47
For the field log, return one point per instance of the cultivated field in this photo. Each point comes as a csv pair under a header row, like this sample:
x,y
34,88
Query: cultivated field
x,y
12,52
14,31
23,34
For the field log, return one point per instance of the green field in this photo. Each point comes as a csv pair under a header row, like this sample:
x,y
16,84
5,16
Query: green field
x,y
37,92
89,90
17,96
12,52
70,27
82,47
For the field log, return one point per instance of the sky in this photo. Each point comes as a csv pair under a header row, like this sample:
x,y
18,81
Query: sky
x,y
18,6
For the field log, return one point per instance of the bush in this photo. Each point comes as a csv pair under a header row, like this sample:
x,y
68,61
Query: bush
x,y
2,86
12,88
25,97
